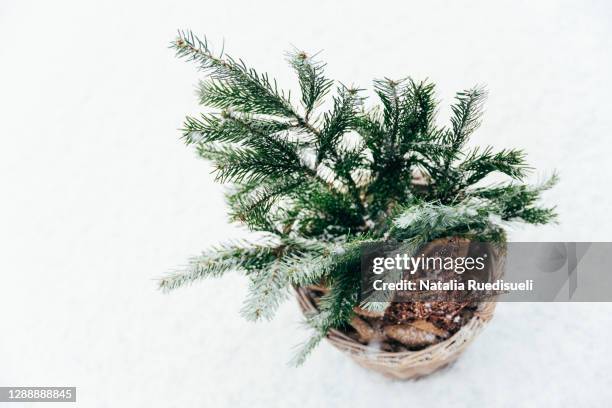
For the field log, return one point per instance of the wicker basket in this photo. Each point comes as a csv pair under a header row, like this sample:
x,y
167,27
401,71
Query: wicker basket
x,y
408,365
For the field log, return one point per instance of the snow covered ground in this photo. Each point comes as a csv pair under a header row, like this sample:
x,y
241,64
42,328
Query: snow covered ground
x,y
99,197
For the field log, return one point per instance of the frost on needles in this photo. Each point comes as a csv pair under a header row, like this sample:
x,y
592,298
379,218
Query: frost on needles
x,y
318,183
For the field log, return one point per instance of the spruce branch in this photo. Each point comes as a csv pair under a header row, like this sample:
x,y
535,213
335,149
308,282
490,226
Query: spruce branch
x,y
519,202
249,97
313,84
467,112
389,91
402,138
418,114
233,84
427,221
336,306
267,289
230,127
252,203
252,164
337,122
269,286
239,256
478,164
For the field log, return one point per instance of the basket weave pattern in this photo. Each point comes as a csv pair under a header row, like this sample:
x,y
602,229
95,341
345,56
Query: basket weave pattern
x,y
407,365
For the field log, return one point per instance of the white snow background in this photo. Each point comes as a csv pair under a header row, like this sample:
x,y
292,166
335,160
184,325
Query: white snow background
x,y
98,197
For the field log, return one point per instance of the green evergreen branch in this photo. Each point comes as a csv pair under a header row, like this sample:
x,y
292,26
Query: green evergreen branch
x,y
519,202
389,92
336,306
313,84
240,256
408,114
337,122
233,84
230,127
417,115
467,112
252,164
267,289
252,203
426,221
478,164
